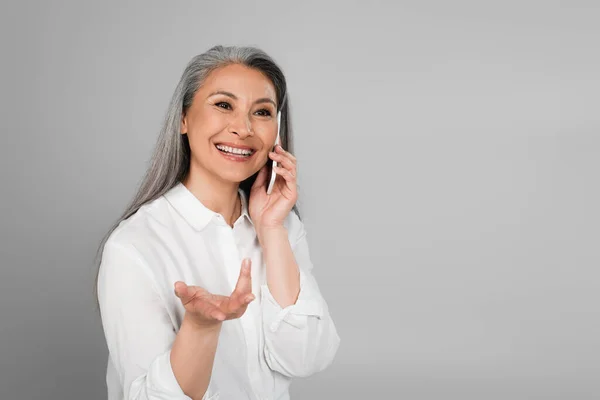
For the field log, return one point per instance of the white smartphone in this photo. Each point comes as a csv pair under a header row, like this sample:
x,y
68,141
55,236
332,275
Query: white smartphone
x,y
277,141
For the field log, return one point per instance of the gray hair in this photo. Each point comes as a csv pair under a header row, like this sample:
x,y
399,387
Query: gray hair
x,y
171,159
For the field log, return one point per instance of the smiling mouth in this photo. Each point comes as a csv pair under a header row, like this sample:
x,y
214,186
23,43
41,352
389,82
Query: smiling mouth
x,y
234,151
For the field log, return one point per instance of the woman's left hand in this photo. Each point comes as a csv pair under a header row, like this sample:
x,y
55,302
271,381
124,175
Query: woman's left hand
x,y
269,211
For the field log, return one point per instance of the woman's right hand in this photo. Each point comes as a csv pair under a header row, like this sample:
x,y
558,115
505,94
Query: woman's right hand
x,y
206,309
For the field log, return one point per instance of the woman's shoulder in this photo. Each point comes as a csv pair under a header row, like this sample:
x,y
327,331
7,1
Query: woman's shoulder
x,y
143,229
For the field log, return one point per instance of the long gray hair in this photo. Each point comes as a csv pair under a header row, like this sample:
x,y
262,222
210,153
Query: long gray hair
x,y
171,159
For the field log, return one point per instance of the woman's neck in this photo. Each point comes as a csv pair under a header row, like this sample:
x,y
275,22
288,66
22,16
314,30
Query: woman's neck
x,y
216,195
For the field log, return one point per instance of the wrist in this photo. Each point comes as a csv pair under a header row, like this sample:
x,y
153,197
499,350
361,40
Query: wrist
x,y
192,323
267,233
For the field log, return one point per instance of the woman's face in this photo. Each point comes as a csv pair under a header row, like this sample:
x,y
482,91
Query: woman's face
x,y
232,123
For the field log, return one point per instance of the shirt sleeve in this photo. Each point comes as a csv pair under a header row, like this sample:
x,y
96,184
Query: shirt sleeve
x,y
139,333
300,339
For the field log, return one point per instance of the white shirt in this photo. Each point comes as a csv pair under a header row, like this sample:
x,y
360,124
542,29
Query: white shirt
x,y
176,238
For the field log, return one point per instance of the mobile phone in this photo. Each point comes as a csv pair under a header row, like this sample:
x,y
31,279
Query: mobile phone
x,y
274,164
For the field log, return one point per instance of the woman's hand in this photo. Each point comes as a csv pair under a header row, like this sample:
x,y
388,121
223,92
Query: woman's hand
x,y
206,309
269,211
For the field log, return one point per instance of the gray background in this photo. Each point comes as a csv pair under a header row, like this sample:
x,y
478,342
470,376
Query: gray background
x,y
449,158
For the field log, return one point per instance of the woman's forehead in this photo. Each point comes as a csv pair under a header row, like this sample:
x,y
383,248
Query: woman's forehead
x,y
241,81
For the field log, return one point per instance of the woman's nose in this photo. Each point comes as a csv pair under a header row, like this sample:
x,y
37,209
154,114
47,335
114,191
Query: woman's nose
x,y
241,125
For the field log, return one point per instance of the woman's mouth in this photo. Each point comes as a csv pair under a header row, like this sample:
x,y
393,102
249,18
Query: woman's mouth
x,y
235,153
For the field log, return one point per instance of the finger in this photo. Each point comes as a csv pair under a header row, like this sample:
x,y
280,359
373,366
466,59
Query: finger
x,y
284,161
239,304
244,282
242,294
289,182
281,150
209,310
287,175
181,291
217,314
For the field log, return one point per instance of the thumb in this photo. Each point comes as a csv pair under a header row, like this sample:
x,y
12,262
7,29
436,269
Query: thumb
x,y
181,291
244,283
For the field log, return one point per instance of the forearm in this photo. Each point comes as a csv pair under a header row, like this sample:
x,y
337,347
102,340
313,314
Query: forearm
x,y
283,277
302,339
193,355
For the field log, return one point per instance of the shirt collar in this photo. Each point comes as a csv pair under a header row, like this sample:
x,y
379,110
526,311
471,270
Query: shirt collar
x,y
193,211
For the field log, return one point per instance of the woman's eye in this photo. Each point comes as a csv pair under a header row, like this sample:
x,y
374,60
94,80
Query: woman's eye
x,y
224,105
264,112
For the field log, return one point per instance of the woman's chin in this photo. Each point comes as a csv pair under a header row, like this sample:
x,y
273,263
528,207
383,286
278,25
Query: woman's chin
x,y
235,178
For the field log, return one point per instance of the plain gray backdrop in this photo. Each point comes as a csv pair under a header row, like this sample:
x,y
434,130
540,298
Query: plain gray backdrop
x,y
448,165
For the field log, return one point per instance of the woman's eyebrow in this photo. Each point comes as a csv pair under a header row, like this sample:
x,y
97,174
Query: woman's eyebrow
x,y
233,96
266,100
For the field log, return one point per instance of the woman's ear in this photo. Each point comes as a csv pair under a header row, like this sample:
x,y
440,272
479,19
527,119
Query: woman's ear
x,y
183,124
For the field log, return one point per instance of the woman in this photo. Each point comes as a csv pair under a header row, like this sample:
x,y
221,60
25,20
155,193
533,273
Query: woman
x,y
205,286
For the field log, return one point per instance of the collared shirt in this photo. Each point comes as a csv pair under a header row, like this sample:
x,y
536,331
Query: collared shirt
x,y
176,238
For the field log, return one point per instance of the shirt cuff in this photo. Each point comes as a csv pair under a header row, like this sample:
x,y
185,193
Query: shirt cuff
x,y
161,375
295,314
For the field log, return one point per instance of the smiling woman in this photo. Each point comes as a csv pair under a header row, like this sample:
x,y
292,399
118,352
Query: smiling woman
x,y
181,319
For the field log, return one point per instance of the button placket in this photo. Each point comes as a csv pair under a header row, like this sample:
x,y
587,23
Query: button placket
x,y
233,265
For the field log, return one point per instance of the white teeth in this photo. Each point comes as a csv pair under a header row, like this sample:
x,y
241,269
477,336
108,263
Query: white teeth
x,y
233,150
